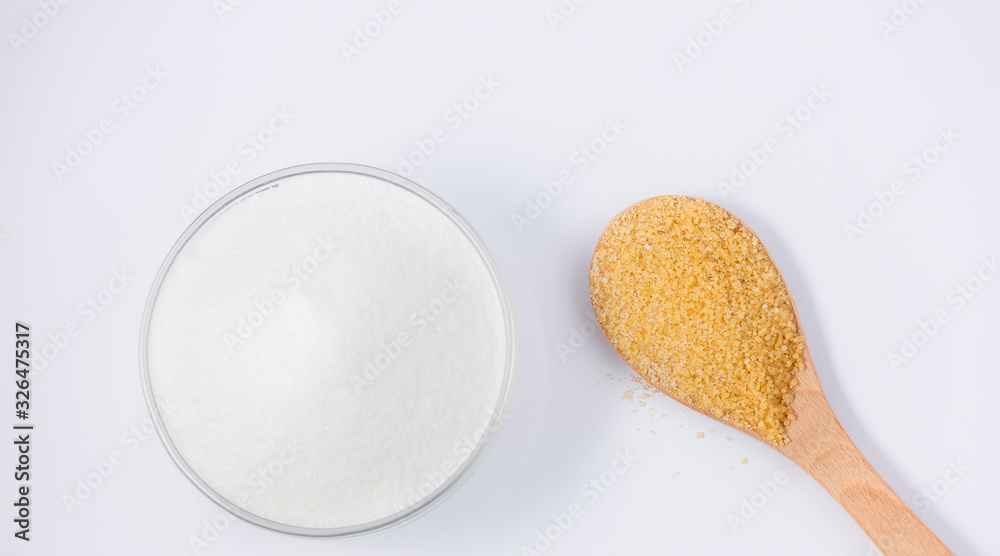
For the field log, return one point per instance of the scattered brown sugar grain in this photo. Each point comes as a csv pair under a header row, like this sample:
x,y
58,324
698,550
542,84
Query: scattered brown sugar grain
x,y
691,300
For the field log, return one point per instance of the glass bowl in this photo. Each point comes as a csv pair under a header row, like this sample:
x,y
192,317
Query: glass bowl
x,y
426,501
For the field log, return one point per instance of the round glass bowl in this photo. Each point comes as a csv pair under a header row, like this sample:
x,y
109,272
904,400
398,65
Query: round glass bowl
x,y
328,350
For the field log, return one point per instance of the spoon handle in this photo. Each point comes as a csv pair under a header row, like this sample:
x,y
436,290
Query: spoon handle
x,y
822,448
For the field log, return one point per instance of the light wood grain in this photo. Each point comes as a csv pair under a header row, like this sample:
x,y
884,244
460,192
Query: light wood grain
x,y
820,446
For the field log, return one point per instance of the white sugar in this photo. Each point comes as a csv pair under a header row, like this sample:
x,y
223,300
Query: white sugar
x,y
328,350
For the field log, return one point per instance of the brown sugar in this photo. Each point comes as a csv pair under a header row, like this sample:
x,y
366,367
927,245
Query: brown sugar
x,y
692,301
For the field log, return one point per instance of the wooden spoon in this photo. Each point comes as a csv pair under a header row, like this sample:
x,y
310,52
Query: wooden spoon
x,y
816,441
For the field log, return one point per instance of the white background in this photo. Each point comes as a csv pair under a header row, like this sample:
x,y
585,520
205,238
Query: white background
x,y
63,234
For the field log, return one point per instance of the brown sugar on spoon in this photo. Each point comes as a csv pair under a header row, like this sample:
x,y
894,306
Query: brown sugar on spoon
x,y
690,298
